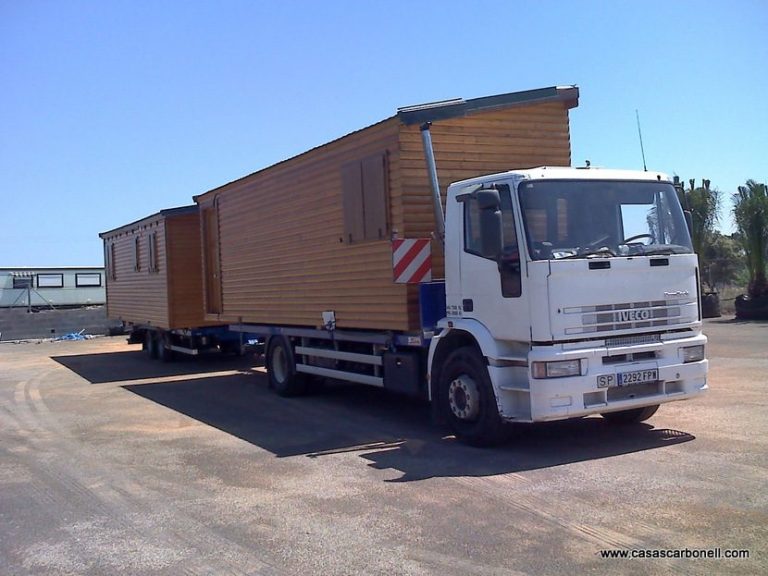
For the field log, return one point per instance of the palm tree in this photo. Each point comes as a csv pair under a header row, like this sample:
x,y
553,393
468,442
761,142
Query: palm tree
x,y
750,210
704,204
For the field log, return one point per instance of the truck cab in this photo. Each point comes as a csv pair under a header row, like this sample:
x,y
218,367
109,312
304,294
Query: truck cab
x,y
570,292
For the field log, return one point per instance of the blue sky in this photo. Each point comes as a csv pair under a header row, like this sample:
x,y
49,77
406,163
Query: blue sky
x,y
112,110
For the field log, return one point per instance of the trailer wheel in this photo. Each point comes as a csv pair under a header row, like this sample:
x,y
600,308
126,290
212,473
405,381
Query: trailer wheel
x,y
467,401
150,344
164,353
281,367
633,416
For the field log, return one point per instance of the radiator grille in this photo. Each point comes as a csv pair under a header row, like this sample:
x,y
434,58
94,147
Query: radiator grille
x,y
632,315
620,341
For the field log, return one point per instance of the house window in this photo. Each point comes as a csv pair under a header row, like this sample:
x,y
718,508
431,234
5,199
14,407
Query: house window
x,y
109,260
83,280
22,282
152,252
137,253
364,194
50,280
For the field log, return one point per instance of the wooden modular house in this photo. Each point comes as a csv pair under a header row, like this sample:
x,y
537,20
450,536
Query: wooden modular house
x,y
154,270
314,233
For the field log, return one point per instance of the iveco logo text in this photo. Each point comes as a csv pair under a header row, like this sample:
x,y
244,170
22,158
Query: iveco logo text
x,y
632,315
677,293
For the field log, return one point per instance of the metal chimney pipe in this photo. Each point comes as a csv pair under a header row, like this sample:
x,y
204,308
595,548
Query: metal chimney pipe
x,y
429,154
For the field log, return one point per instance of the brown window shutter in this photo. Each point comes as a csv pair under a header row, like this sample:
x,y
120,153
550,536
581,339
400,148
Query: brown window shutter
x,y
352,198
374,169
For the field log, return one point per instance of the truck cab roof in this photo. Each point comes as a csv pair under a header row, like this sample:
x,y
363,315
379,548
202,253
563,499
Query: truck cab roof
x,y
567,173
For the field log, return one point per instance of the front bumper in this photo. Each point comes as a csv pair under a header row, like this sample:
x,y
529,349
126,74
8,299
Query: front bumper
x,y
524,398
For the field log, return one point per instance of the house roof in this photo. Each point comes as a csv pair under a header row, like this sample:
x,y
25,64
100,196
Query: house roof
x,y
446,109
191,209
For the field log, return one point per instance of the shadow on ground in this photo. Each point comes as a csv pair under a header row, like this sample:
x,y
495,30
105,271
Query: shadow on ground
x,y
390,431
136,365
736,321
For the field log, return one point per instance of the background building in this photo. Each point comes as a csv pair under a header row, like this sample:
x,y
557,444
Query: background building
x,y
57,287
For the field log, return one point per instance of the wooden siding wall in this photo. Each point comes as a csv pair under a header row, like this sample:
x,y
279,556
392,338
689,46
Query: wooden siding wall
x,y
185,275
138,296
282,255
483,143
478,144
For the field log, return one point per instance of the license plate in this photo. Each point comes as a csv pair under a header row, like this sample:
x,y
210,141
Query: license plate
x,y
637,377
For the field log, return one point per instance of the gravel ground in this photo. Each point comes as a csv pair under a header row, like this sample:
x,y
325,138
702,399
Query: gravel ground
x,y
111,463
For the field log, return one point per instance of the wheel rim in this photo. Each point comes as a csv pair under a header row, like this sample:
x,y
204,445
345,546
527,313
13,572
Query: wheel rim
x,y
464,398
279,364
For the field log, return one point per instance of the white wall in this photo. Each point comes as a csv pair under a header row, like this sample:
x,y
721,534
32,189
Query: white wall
x,y
59,286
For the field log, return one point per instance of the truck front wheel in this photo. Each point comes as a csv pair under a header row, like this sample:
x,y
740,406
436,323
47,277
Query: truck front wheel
x,y
632,416
467,401
281,367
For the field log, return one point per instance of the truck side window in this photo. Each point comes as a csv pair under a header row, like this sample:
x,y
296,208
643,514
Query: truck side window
x,y
509,263
472,240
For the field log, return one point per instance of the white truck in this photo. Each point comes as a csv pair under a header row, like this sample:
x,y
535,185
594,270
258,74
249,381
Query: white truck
x,y
568,292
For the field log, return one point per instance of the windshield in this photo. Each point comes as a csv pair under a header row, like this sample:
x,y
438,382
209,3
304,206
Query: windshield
x,y
594,218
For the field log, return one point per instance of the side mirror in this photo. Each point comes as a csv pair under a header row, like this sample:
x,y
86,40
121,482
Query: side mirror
x,y
689,221
491,235
488,199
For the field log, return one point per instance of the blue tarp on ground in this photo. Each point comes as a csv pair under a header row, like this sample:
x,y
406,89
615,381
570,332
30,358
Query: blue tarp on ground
x,y
74,336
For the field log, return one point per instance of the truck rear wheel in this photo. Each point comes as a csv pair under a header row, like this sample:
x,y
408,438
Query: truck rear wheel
x,y
632,416
281,367
467,401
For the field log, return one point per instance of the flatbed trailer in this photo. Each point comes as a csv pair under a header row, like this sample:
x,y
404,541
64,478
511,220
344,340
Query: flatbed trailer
x,y
508,287
561,292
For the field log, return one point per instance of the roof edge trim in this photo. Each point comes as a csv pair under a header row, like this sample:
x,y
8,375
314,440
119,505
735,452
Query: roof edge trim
x,y
459,107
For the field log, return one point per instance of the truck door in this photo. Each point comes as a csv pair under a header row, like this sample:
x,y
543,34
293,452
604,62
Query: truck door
x,y
493,292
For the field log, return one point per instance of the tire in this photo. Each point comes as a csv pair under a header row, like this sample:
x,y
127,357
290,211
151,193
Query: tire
x,y
281,367
633,416
150,344
164,354
466,399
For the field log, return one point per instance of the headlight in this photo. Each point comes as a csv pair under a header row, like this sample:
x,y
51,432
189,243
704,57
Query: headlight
x,y
692,353
558,369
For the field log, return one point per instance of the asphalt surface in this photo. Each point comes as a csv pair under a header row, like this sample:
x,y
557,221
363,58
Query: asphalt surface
x,y
111,463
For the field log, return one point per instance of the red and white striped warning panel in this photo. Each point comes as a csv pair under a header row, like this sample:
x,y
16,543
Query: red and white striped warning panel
x,y
412,260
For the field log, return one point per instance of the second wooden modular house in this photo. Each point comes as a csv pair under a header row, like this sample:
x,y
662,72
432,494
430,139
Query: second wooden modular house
x,y
154,272
314,233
